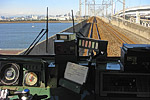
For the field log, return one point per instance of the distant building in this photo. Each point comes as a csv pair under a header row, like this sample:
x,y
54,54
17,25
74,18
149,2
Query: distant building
x,y
38,17
52,18
69,14
42,17
2,17
63,18
34,17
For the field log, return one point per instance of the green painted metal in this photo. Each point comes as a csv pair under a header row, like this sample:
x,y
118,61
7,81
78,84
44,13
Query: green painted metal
x,y
33,90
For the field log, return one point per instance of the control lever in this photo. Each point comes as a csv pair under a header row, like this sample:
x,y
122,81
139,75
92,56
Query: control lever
x,y
24,95
90,74
90,59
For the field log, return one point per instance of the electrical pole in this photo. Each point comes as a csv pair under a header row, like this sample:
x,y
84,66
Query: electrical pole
x,y
94,7
112,8
107,3
88,9
80,8
106,10
85,7
47,32
123,9
103,12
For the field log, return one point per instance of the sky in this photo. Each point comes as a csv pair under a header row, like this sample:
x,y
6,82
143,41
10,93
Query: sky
x,y
131,3
38,7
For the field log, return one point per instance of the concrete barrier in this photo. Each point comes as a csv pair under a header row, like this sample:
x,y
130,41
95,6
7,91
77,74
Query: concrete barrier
x,y
77,27
133,27
104,19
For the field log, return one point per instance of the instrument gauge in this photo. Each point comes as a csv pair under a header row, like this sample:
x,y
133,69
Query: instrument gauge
x,y
31,79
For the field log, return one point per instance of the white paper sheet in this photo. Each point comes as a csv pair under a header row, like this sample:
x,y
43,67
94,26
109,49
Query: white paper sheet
x,y
76,73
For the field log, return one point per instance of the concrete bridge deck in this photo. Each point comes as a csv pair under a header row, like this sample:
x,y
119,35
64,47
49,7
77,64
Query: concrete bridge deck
x,y
114,35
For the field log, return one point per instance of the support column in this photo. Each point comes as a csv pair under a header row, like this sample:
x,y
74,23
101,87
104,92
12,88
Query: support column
x,y
137,17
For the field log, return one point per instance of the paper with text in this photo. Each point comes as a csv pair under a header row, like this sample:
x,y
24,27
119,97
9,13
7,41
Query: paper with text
x,y
76,73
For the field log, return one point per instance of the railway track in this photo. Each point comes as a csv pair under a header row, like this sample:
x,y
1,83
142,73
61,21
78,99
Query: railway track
x,y
93,33
103,31
121,37
114,37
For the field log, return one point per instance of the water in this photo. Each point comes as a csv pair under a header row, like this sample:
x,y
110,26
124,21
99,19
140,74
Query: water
x,y
21,35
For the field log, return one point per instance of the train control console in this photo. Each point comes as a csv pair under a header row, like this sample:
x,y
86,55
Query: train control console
x,y
19,72
127,76
105,78
136,58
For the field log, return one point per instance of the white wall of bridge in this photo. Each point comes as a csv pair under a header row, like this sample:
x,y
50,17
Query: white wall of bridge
x,y
133,27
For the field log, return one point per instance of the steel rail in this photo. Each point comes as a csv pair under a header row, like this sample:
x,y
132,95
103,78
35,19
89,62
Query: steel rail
x,y
122,38
97,28
93,33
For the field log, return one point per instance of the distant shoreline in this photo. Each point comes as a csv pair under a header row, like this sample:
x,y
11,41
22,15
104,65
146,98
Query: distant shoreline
x,y
3,22
10,52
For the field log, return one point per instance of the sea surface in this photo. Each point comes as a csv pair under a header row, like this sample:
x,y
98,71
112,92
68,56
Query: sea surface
x,y
21,35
